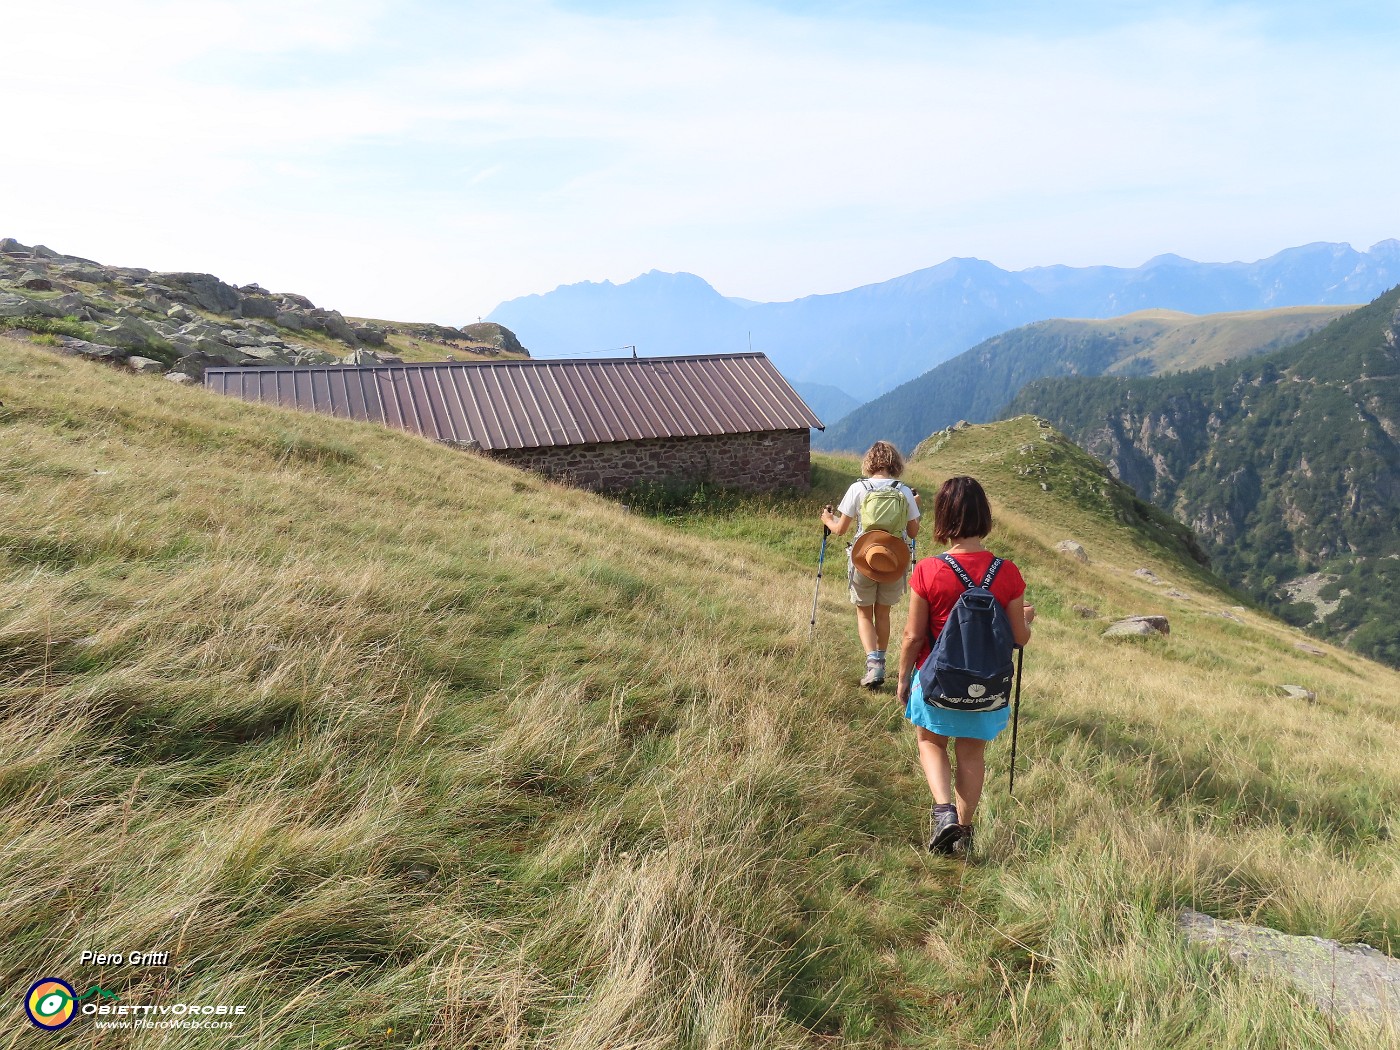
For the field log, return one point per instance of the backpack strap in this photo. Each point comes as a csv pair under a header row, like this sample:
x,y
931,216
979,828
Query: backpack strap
x,y
952,563
992,571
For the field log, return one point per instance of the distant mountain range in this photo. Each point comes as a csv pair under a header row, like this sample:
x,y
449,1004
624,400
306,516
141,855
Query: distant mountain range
x,y
1287,465
871,339
979,383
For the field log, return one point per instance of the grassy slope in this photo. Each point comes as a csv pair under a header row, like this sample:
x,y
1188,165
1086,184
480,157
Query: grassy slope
x,y
1187,341
371,734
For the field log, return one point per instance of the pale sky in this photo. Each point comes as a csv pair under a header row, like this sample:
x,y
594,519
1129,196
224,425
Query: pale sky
x,y
426,160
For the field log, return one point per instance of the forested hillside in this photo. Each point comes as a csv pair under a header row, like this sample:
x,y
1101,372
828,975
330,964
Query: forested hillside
x,y
979,383
1287,465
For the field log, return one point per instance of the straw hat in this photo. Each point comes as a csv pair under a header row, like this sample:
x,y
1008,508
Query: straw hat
x,y
880,556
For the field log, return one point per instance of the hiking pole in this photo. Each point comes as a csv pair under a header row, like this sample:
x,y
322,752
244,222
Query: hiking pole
x,y
1015,720
821,560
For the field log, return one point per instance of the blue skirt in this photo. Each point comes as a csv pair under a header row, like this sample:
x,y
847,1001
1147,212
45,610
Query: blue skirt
x,y
969,725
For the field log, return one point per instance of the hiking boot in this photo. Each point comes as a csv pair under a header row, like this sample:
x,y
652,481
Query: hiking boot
x,y
874,674
962,845
946,832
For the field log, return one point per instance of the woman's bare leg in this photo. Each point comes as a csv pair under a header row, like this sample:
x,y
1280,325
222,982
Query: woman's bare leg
x,y
933,757
972,772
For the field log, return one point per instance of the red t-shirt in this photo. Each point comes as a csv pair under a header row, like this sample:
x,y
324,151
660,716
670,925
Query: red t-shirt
x,y
938,584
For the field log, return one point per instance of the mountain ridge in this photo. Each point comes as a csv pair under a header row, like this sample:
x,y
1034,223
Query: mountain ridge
x,y
869,339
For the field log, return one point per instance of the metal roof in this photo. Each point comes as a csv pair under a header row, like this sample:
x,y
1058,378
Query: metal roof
x,y
537,403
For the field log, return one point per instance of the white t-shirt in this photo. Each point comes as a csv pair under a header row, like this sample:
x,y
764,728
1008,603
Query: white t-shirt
x,y
850,502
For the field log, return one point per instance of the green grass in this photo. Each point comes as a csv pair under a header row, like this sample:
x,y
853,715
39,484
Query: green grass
x,y
375,735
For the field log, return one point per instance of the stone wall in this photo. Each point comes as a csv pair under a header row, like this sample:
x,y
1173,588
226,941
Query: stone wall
x,y
772,459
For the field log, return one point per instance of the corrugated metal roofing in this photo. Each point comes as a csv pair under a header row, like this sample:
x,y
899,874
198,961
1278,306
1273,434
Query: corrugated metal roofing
x,y
531,404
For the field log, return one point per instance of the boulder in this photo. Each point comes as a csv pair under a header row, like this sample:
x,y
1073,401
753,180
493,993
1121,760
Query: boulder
x,y
35,282
1148,575
292,301
183,314
1352,981
193,365
43,251
203,290
363,358
233,337
1138,627
1311,650
92,351
10,246
130,333
258,306
1297,692
289,319
179,377
144,364
1074,550
492,334
20,306
370,335
335,325
1178,595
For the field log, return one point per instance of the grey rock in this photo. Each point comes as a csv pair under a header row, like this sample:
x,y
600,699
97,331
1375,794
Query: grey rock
x,y
93,351
233,337
10,246
489,333
290,300
370,335
364,358
144,364
1178,595
1353,981
1074,550
1148,575
85,274
1311,650
183,314
180,378
193,365
258,306
72,303
43,251
202,289
1085,612
290,319
130,333
21,306
336,326
1297,692
35,282
1138,627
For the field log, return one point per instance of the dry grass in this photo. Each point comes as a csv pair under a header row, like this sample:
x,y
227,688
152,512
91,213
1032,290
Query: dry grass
x,y
373,735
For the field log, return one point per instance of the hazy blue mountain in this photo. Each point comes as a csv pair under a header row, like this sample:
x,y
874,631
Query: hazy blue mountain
x,y
829,403
871,339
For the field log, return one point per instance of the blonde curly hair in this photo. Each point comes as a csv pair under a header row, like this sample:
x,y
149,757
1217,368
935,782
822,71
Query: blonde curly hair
x,y
882,458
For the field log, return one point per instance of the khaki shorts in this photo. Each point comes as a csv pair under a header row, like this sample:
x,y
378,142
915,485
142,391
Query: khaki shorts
x,y
865,591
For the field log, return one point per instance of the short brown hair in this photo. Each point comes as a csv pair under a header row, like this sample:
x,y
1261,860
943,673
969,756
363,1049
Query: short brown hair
x,y
882,458
961,510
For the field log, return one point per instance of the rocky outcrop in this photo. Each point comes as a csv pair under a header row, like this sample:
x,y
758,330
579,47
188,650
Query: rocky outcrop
x,y
1348,980
187,322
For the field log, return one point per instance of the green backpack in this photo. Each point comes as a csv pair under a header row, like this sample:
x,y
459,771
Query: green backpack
x,y
884,508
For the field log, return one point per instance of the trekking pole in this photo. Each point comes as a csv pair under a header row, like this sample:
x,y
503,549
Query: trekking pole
x,y
1015,720
821,560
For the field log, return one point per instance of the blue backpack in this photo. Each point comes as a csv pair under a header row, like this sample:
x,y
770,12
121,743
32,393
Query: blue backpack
x,y
970,667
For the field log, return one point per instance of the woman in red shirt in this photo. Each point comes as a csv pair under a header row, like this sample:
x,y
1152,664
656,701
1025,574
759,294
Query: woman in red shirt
x,y
962,518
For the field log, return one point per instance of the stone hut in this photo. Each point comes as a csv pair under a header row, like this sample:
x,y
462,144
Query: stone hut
x,y
606,424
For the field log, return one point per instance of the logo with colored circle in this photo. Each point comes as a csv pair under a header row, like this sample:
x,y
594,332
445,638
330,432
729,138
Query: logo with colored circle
x,y
51,1003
